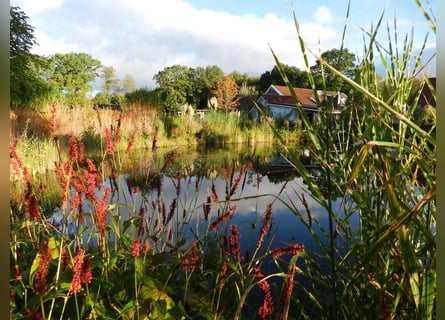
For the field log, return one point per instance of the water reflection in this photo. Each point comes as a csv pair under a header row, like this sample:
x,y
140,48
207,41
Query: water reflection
x,y
170,189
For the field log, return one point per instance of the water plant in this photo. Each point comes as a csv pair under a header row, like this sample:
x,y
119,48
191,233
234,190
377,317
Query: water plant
x,y
382,165
115,249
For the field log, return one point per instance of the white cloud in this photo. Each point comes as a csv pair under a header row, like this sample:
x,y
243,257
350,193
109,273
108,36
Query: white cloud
x,y
35,7
323,14
140,37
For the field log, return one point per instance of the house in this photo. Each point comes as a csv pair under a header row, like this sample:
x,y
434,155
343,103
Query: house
x,y
278,102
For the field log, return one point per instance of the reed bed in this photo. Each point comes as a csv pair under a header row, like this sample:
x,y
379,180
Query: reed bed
x,y
382,164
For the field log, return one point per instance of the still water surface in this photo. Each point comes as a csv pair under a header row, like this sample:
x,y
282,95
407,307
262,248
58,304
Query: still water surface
x,y
183,179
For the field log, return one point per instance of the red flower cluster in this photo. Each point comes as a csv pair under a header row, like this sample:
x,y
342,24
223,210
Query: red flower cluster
x,y
33,208
287,294
222,218
267,222
222,276
238,179
45,258
292,249
34,315
101,212
17,163
92,178
266,308
17,274
235,247
146,247
53,121
82,272
109,138
189,261
77,149
136,248
118,127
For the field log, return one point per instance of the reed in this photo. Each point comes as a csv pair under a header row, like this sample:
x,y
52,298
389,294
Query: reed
x,y
385,177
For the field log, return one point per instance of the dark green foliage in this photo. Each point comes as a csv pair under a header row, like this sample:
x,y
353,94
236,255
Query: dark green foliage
x,y
341,60
297,78
176,86
26,87
71,74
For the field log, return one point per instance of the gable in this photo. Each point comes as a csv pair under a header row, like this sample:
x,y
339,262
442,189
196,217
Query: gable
x,y
281,95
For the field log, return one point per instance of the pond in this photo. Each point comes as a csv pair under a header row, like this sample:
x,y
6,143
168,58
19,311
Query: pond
x,y
174,187
237,204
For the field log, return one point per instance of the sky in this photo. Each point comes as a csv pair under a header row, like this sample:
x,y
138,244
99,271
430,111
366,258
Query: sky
x,y
142,37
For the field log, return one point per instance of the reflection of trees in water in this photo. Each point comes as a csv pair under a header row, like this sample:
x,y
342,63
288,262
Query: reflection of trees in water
x,y
329,186
225,163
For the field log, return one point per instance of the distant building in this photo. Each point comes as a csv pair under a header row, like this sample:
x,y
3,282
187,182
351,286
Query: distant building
x,y
279,103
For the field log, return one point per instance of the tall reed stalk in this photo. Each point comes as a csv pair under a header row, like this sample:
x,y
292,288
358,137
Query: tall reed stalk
x,y
384,175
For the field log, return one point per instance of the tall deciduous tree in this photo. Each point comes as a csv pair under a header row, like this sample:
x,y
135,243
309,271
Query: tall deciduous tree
x,y
176,86
25,85
226,93
341,60
296,77
128,84
204,83
72,74
111,83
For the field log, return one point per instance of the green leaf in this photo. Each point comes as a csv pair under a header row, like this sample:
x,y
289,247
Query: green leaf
x,y
428,293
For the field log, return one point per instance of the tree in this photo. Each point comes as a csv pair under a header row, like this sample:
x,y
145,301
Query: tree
x,y
128,84
111,83
295,76
341,60
71,74
176,86
25,84
226,93
204,83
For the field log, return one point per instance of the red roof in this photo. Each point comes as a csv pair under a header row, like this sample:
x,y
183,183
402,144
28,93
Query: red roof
x,y
305,96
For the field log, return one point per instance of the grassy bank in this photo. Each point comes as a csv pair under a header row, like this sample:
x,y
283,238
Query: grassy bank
x,y
142,128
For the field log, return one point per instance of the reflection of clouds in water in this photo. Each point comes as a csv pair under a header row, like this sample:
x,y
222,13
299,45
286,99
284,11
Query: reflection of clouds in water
x,y
251,201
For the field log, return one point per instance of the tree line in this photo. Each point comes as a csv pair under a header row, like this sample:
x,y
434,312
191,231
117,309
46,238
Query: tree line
x,y
66,78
